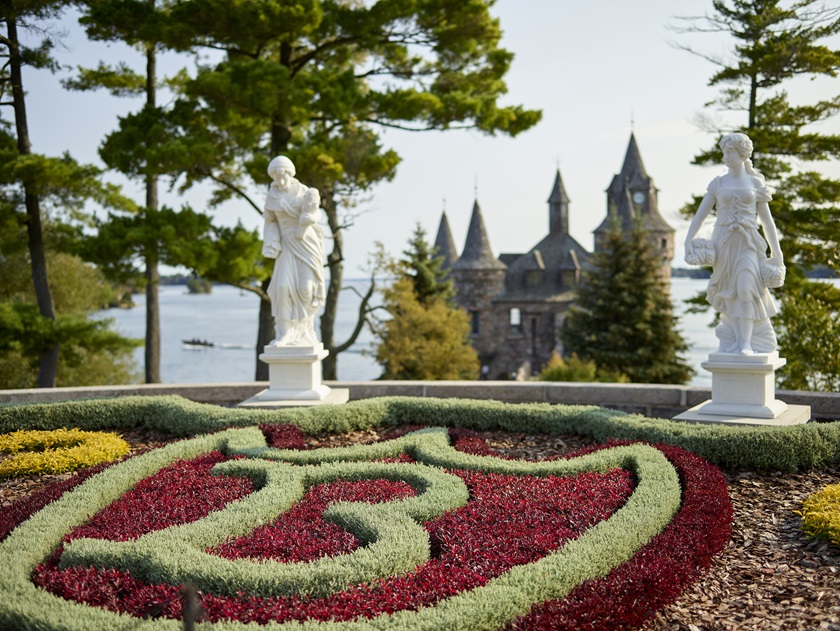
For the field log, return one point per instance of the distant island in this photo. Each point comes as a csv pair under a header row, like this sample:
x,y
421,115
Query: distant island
x,y
821,271
693,272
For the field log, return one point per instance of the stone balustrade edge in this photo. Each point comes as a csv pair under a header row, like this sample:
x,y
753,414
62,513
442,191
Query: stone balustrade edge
x,y
664,401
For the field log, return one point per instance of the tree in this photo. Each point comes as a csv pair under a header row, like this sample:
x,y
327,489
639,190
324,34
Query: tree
x,y
18,55
142,146
307,78
623,320
91,352
774,43
430,281
34,186
426,337
812,343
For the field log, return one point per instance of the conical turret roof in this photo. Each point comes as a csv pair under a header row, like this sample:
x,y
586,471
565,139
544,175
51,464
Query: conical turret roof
x,y
445,244
632,195
477,253
633,160
558,191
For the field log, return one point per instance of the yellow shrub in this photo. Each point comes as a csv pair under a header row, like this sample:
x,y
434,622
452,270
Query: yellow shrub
x,y
57,451
821,514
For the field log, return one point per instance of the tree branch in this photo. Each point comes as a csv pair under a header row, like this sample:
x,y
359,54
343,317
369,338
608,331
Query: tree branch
x,y
362,319
232,187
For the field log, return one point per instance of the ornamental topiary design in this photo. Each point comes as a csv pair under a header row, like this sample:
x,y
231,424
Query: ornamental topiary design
x,y
57,451
821,514
453,540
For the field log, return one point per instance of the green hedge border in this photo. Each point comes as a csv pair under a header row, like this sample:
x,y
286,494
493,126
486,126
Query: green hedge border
x,y
598,550
753,448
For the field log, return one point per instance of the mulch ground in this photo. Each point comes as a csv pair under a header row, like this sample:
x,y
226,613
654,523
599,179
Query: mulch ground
x,y
770,576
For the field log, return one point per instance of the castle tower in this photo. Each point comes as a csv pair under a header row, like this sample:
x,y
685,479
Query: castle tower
x,y
632,197
558,208
445,244
479,276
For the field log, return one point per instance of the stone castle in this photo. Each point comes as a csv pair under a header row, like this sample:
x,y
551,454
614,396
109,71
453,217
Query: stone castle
x,y
518,302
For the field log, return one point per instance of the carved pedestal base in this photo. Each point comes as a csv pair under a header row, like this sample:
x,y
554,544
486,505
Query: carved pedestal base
x,y
744,391
294,375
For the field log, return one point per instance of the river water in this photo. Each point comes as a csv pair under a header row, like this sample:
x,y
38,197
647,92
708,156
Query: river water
x,y
228,318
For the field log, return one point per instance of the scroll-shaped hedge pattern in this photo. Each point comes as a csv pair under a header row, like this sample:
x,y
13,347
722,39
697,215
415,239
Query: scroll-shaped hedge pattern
x,y
391,538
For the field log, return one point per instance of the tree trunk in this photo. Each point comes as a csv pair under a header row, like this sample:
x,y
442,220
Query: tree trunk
x,y
48,360
152,319
335,261
265,334
152,358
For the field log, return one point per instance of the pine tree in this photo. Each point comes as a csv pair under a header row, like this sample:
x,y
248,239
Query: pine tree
x,y
774,43
430,281
427,337
313,80
40,196
623,320
11,81
141,147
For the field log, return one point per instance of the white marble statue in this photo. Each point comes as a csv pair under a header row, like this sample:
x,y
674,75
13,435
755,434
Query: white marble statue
x,y
293,237
742,272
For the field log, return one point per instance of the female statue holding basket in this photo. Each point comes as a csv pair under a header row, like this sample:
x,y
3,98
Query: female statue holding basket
x,y
742,272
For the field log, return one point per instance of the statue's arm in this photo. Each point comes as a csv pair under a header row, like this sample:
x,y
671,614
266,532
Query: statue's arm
x,y
271,236
770,232
699,217
310,212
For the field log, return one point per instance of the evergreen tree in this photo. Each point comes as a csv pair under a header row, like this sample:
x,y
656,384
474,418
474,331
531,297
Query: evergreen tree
x,y
92,353
774,43
430,281
623,320
18,55
40,196
142,147
312,80
426,337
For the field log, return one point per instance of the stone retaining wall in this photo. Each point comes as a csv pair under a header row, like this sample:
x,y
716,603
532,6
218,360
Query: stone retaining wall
x,y
651,400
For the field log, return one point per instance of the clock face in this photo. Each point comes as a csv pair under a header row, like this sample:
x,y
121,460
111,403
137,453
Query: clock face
x,y
638,197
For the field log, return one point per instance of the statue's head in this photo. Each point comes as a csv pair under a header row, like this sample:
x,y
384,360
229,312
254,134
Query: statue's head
x,y
280,164
739,142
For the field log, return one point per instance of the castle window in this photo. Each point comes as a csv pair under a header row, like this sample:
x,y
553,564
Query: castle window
x,y
516,320
533,278
664,244
570,278
474,323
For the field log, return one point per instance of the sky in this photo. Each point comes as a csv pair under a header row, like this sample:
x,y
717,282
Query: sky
x,y
598,70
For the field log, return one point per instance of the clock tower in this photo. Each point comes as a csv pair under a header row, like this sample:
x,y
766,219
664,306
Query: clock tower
x,y
632,197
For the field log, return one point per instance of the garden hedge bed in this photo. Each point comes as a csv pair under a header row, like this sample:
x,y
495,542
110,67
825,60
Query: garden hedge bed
x,y
428,529
751,448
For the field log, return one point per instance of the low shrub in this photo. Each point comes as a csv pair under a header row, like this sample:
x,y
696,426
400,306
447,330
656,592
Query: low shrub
x,y
821,514
57,451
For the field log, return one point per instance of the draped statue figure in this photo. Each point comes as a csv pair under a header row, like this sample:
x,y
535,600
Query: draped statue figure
x,y
742,271
294,237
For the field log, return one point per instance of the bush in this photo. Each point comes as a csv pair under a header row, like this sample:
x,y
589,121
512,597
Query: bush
x,y
754,448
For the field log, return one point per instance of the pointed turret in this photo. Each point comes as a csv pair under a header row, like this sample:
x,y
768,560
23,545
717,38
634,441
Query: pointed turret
x,y
558,207
632,197
445,244
477,253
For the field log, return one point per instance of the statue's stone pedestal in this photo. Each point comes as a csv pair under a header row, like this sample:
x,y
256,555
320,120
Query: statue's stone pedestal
x,y
744,393
294,376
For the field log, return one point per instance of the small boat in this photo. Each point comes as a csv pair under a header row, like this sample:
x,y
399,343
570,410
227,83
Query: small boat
x,y
197,343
